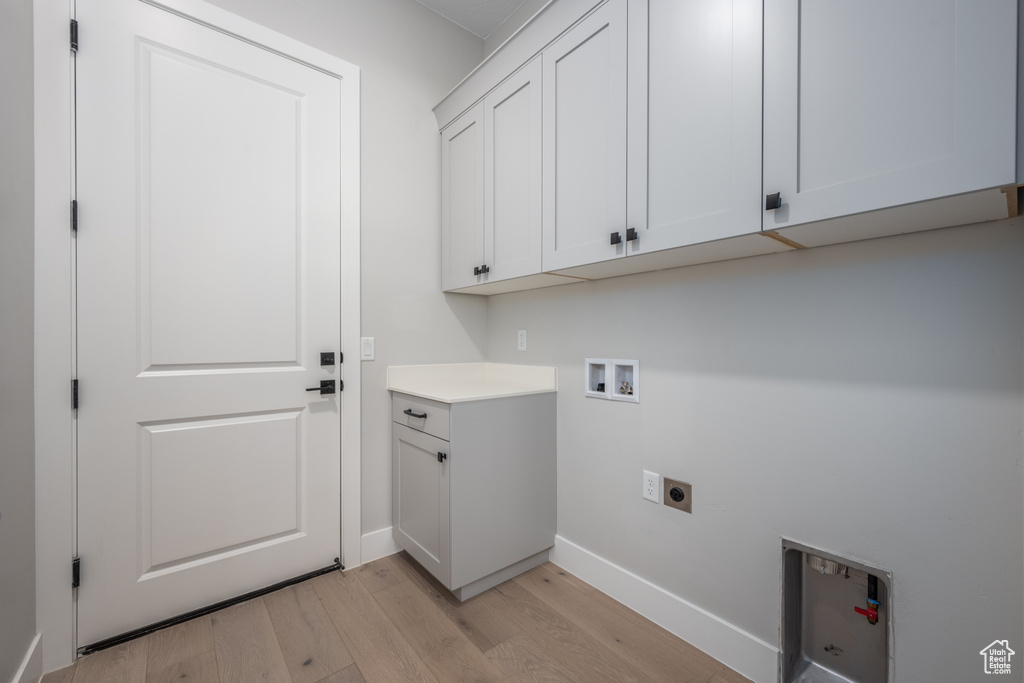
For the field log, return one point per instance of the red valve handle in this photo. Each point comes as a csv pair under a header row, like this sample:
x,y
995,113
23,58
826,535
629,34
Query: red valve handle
x,y
869,613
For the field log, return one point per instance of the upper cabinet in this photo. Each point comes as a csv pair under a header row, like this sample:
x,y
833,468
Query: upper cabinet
x,y
653,111
674,133
703,122
512,175
491,179
585,134
462,200
875,104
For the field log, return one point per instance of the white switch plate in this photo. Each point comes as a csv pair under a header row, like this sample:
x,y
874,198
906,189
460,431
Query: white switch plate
x,y
521,340
652,488
366,348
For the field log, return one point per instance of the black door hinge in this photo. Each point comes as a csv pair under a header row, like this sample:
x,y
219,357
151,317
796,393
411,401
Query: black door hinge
x,y
74,394
74,35
76,572
74,215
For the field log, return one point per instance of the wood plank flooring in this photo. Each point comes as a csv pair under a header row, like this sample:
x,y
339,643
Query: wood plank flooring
x,y
391,622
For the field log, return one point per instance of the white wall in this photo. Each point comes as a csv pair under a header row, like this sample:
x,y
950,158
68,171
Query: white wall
x,y
866,398
17,382
409,58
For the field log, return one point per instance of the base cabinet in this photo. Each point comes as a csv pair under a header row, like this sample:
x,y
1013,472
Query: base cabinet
x,y
473,487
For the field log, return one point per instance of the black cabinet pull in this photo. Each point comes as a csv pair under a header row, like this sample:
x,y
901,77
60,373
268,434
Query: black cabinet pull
x,y
632,235
476,270
326,387
616,238
484,269
408,411
441,456
772,201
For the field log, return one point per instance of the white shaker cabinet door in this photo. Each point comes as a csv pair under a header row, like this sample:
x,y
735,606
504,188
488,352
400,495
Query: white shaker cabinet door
x,y
420,501
462,200
703,142
512,176
585,141
873,104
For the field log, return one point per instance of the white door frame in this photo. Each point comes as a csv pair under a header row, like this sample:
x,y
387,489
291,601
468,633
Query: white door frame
x,y
54,321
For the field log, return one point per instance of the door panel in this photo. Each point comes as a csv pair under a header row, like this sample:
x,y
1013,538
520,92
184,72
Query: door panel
x,y
248,185
208,283
703,121
250,466
420,499
585,134
462,200
875,104
512,175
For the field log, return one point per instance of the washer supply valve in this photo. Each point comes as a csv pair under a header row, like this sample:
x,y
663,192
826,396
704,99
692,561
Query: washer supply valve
x,y
872,611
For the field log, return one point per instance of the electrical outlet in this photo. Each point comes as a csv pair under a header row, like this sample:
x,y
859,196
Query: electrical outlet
x,y
521,340
679,495
651,487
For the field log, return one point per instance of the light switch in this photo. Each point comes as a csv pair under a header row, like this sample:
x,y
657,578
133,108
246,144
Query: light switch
x,y
366,348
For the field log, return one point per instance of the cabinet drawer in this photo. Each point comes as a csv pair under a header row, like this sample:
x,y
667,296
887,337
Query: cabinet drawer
x,y
421,414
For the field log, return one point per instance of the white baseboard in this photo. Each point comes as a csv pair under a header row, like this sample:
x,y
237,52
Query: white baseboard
x,y
31,669
747,654
378,544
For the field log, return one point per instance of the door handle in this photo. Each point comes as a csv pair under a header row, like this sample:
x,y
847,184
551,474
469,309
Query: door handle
x,y
326,387
616,238
631,235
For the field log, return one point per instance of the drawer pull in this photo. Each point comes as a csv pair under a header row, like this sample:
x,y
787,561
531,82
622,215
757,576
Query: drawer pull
x,y
441,457
408,411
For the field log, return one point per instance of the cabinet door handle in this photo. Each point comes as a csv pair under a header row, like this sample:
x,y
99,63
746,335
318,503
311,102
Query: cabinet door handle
x,y
476,270
441,457
772,201
484,269
616,238
631,235
408,411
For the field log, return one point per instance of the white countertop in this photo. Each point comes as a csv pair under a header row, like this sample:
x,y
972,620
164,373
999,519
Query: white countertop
x,y
459,382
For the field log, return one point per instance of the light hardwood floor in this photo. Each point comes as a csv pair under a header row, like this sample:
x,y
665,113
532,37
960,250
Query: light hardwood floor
x,y
389,621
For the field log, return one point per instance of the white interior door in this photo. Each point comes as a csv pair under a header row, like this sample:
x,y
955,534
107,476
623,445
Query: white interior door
x,y
208,283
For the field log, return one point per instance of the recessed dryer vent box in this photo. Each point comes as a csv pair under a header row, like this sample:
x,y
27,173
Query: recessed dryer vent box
x,y
613,379
836,619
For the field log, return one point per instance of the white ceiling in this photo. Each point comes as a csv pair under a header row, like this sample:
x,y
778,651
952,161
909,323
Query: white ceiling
x,y
480,17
